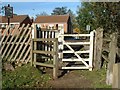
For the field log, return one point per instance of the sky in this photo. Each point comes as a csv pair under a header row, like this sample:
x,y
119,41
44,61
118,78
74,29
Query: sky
x,y
34,8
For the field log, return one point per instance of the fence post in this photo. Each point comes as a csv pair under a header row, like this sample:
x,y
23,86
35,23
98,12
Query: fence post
x,y
31,45
116,76
35,45
0,62
98,41
55,59
32,51
111,57
91,51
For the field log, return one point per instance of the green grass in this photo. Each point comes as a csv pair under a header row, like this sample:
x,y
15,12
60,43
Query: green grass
x,y
97,77
25,76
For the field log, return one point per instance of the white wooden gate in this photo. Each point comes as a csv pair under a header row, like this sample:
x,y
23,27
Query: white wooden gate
x,y
86,62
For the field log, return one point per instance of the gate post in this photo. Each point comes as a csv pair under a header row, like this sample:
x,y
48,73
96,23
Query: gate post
x,y
35,46
55,59
111,57
91,51
98,42
32,52
116,76
60,43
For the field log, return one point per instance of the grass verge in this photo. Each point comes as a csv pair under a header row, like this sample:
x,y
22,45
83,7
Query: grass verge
x,y
24,77
97,78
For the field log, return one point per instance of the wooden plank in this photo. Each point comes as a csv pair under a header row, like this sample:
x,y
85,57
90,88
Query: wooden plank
x,y
8,54
9,43
55,60
26,28
35,45
5,34
68,51
26,54
76,43
6,40
112,57
80,67
44,39
18,51
73,59
31,45
106,39
15,43
44,64
28,59
98,43
75,35
105,58
43,52
24,48
76,54
53,30
49,45
116,76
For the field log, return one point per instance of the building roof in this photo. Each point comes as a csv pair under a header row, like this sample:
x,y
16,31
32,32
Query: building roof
x,y
52,19
15,19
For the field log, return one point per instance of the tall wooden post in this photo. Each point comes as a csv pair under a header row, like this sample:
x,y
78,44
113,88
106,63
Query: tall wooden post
x,y
35,45
0,61
98,42
55,59
111,57
31,52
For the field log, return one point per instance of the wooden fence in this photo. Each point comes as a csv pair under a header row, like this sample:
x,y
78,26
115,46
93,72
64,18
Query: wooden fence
x,y
53,52
44,34
45,45
110,56
16,44
105,52
98,42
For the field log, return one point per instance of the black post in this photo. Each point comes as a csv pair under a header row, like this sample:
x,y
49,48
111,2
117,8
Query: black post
x,y
8,17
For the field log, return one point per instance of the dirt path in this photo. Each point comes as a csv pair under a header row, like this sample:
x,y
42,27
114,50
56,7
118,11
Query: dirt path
x,y
71,80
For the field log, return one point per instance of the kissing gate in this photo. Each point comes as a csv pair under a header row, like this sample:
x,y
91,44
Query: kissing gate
x,y
69,51
63,51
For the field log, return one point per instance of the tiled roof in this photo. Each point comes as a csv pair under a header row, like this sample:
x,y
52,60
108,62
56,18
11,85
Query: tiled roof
x,y
52,19
15,19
